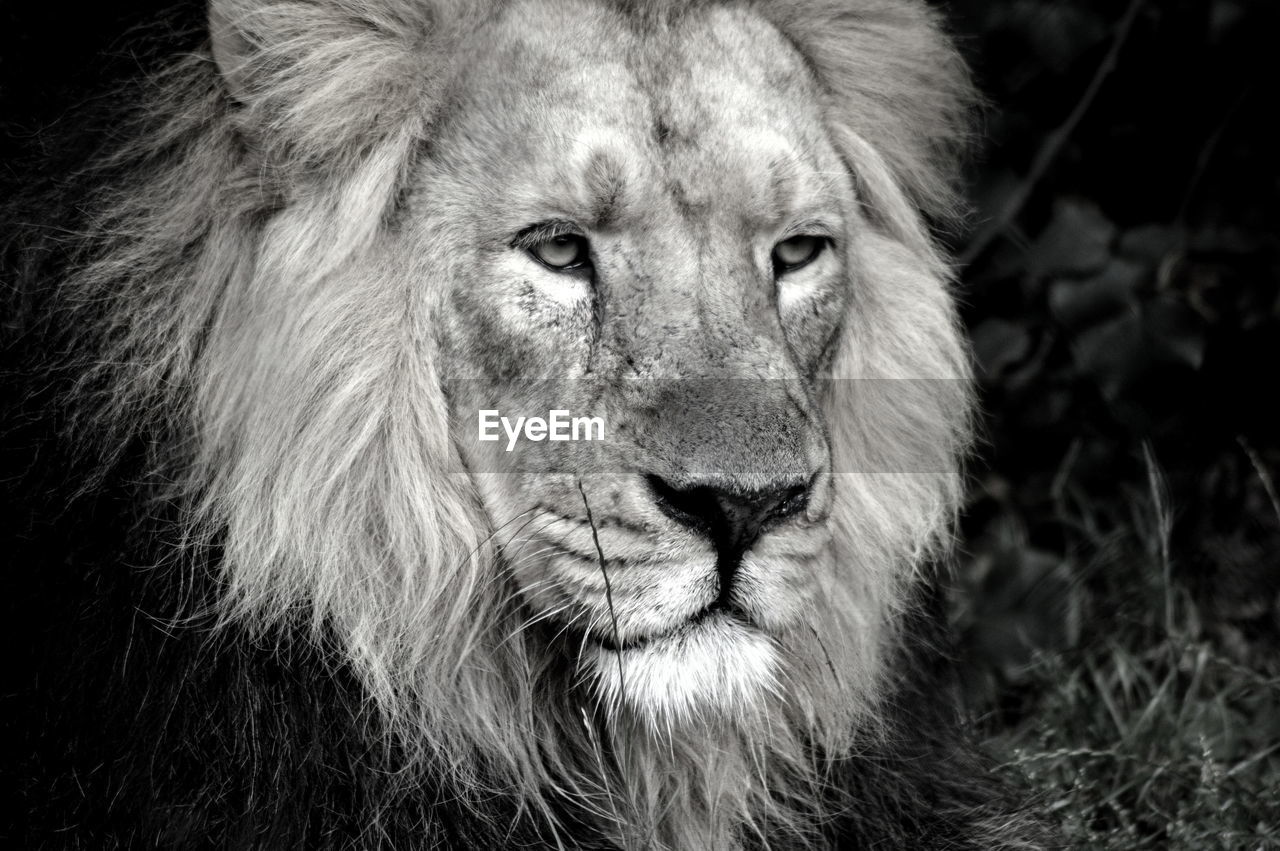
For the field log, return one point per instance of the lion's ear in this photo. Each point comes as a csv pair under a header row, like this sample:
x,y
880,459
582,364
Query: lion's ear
x,y
895,80
231,49
315,81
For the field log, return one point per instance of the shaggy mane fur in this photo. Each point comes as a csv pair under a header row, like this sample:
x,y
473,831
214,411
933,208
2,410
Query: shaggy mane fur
x,y
249,424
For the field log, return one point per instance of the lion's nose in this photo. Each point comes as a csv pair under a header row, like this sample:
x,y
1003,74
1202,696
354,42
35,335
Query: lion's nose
x,y
731,517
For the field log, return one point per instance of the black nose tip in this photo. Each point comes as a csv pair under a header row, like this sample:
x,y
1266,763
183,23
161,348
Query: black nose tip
x,y
731,518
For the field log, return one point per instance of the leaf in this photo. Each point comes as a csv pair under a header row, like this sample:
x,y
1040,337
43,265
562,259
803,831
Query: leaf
x,y
1000,345
1151,243
1111,353
1077,240
1079,304
1175,331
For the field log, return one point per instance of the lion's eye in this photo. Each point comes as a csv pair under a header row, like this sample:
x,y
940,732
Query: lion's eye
x,y
563,252
798,251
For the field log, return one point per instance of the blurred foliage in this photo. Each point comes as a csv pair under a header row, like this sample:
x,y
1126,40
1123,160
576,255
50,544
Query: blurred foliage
x,y
1119,594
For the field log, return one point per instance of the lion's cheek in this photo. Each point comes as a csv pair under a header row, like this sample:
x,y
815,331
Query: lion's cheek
x,y
780,591
513,330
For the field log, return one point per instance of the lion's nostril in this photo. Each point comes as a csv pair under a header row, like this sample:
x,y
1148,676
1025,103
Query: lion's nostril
x,y
731,517
695,507
793,500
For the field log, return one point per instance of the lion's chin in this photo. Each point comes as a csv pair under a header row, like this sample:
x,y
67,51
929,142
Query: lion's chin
x,y
714,668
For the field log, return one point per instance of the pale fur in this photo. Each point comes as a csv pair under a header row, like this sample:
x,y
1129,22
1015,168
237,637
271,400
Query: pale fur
x,y
257,310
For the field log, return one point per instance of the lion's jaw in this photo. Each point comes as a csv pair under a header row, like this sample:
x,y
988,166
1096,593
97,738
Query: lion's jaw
x,y
701,362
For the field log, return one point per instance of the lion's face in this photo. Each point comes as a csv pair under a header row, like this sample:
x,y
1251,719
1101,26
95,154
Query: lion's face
x,y
661,230
359,223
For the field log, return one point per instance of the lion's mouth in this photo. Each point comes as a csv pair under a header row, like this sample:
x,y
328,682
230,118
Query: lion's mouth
x,y
716,612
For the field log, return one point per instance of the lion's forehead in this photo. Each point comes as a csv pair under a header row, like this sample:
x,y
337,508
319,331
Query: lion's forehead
x,y
718,113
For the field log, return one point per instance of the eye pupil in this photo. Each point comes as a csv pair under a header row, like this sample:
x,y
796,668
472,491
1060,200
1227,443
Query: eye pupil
x,y
791,254
561,252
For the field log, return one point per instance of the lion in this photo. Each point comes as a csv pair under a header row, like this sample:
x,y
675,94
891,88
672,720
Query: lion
x,y
280,595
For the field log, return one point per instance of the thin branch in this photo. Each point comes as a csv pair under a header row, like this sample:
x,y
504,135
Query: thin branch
x,y
1207,152
1053,144
1263,475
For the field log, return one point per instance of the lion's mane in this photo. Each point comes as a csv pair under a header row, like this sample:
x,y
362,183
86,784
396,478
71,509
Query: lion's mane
x,y
220,348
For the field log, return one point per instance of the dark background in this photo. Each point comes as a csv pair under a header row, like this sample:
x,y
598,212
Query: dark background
x,y
1117,600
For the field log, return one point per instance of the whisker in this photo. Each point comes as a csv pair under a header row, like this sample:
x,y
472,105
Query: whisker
x,y
533,536
489,537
